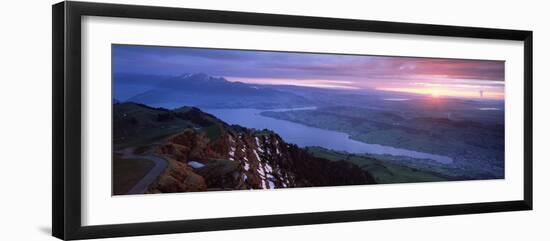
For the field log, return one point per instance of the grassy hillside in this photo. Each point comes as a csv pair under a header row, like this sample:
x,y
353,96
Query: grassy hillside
x,y
136,125
127,172
382,171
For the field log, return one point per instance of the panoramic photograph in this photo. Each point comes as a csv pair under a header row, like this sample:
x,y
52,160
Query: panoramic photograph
x,y
189,119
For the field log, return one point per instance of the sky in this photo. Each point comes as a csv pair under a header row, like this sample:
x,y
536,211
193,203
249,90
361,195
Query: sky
x,y
427,76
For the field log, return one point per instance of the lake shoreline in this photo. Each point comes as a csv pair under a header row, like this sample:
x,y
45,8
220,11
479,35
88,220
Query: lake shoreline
x,y
294,133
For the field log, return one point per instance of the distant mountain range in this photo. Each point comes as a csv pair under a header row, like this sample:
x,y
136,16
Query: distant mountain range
x,y
204,153
207,91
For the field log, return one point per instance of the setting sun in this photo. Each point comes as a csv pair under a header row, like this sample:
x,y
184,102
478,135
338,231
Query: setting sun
x,y
435,93
445,92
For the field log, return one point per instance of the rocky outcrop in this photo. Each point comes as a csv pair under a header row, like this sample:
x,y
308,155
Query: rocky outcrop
x,y
178,178
243,158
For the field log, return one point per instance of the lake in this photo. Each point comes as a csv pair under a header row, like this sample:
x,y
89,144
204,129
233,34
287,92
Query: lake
x,y
304,136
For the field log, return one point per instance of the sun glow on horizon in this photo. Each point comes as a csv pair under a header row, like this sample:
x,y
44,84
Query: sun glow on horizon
x,y
440,92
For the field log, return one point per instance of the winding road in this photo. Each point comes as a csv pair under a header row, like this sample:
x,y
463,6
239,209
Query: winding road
x,y
151,176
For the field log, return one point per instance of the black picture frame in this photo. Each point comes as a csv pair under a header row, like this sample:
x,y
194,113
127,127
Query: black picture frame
x,y
66,47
